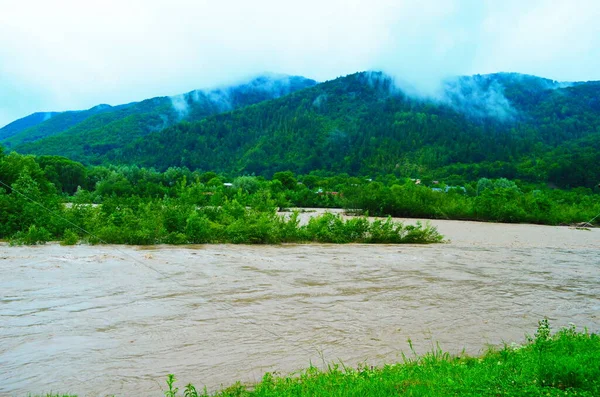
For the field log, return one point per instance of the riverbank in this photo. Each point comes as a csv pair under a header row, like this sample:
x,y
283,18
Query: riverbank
x,y
485,234
559,364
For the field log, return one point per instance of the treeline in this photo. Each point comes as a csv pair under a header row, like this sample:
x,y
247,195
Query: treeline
x,y
141,206
133,205
499,200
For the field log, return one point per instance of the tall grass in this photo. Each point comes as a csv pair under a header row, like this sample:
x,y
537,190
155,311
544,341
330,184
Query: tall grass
x,y
566,363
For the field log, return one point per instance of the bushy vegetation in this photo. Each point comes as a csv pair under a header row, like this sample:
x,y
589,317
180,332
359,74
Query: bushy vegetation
x,y
53,198
560,364
498,200
173,221
143,207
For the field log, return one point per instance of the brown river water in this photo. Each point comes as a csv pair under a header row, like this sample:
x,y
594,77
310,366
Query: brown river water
x,y
100,320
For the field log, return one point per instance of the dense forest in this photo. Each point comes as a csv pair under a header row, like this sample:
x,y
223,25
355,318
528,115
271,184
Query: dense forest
x,y
53,198
87,135
501,125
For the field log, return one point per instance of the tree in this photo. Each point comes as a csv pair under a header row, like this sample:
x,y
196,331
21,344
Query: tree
x,y
287,179
248,184
66,174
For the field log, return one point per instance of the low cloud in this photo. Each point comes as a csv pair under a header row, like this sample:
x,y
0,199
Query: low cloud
x,y
477,97
61,56
224,98
180,106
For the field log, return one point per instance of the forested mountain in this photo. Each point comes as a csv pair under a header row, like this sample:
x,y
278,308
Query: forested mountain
x,y
26,122
61,121
499,125
87,135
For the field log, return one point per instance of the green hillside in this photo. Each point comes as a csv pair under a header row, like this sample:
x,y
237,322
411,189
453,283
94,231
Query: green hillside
x,y
61,121
502,125
499,125
26,122
88,135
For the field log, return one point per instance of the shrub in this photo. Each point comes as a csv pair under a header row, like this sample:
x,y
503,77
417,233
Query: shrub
x,y
69,238
34,236
198,229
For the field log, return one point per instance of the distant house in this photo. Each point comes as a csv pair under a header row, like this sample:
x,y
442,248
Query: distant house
x,y
227,184
448,188
320,192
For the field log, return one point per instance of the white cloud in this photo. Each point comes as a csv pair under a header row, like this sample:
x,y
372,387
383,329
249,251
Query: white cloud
x,y
556,39
68,54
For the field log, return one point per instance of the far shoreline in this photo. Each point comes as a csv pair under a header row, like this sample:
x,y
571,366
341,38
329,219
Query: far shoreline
x,y
455,233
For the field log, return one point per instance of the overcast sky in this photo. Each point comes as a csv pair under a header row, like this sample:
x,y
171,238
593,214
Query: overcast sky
x,y
61,54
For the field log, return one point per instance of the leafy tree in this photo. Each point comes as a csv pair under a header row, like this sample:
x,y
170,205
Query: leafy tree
x,y
287,179
248,184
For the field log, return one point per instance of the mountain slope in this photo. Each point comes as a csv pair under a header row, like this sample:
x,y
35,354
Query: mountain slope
x,y
93,135
19,125
61,121
504,124
361,124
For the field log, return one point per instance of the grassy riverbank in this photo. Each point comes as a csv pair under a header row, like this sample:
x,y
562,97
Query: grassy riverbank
x,y
562,364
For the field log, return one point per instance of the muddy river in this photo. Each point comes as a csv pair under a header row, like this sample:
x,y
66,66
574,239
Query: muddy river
x,y
98,320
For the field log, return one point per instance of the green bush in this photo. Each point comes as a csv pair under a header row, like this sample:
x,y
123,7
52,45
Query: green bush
x,y
199,229
69,238
34,236
385,232
176,238
327,228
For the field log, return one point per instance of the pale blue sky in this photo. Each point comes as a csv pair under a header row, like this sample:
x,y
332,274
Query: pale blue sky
x,y
73,54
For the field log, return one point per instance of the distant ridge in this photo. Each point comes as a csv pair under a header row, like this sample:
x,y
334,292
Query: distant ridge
x,y
21,124
118,125
496,125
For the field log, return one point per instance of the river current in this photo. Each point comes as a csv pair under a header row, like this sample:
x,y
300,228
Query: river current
x,y
104,320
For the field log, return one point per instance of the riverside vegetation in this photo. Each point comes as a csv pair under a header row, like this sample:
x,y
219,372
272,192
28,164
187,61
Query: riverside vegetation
x,y
53,198
561,364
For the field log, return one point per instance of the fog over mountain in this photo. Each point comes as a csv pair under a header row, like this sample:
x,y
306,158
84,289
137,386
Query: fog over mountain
x,y
116,126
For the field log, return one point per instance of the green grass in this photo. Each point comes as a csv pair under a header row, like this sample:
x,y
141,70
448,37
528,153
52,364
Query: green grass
x,y
566,363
